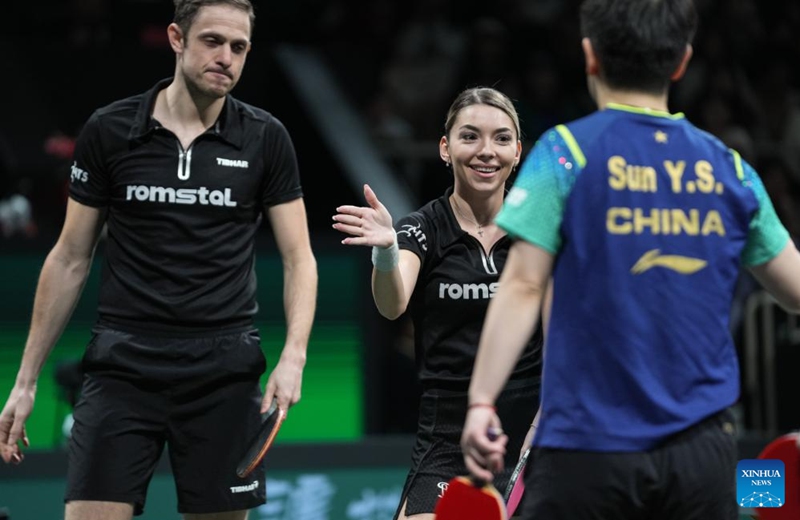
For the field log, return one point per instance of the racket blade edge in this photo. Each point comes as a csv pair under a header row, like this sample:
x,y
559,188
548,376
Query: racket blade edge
x,y
263,441
516,485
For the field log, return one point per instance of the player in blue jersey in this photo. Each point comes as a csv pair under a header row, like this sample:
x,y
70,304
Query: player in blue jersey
x,y
181,177
643,221
442,266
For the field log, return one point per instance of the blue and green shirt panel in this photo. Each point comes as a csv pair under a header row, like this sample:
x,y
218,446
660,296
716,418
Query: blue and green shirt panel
x,y
649,219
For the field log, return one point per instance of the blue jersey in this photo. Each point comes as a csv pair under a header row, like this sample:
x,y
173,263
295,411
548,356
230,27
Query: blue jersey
x,y
649,219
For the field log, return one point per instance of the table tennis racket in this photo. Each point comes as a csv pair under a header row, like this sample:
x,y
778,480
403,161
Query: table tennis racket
x,y
272,420
467,499
784,448
516,485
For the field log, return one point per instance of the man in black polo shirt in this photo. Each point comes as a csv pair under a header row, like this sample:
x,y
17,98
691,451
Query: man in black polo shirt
x,y
181,176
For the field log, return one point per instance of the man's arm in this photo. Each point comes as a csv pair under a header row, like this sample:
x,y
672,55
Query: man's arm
x,y
289,225
511,319
60,284
547,307
781,277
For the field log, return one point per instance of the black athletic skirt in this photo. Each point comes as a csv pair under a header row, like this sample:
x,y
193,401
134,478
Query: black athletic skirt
x,y
436,457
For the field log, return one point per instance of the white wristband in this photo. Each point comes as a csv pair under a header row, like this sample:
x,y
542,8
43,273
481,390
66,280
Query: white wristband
x,y
385,259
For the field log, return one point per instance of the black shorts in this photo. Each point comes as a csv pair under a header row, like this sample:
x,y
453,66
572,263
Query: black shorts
x,y
437,456
199,397
691,476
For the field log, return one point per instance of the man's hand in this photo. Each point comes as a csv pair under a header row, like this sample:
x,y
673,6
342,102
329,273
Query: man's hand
x,y
483,443
12,424
284,383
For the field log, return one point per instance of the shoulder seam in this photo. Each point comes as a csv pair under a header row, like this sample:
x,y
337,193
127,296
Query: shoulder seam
x,y
737,164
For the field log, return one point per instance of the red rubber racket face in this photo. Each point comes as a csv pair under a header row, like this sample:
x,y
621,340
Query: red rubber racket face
x,y
462,500
516,485
258,447
785,449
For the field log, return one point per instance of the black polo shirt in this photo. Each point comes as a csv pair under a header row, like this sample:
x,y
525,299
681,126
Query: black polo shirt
x,y
457,280
179,254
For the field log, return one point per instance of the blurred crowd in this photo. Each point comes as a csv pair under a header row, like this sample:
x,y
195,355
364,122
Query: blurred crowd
x,y
401,64
404,62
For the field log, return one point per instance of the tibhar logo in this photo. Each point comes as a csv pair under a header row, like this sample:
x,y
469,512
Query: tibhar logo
x,y
76,174
202,195
467,291
231,163
442,488
244,489
415,231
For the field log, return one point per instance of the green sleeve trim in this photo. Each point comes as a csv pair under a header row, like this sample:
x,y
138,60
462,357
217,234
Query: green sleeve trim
x,y
767,236
572,144
533,209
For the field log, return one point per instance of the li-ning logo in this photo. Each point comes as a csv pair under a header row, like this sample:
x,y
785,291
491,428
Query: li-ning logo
x,y
679,264
76,174
467,291
231,163
202,195
442,488
760,483
244,489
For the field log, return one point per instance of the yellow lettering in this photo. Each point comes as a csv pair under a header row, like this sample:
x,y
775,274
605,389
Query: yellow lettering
x,y
634,175
640,221
682,223
664,221
630,176
618,221
705,176
675,172
647,179
713,224
616,167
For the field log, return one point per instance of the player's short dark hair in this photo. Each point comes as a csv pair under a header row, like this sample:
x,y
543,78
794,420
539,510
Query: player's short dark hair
x,y
639,43
481,96
186,11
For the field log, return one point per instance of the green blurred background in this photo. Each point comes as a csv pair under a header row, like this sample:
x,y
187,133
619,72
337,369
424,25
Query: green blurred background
x,y
332,382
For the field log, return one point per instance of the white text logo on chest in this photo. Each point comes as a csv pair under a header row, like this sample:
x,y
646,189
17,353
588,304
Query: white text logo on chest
x,y
201,195
231,163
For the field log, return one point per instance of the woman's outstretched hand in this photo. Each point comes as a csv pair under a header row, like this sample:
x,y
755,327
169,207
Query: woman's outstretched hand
x,y
367,225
